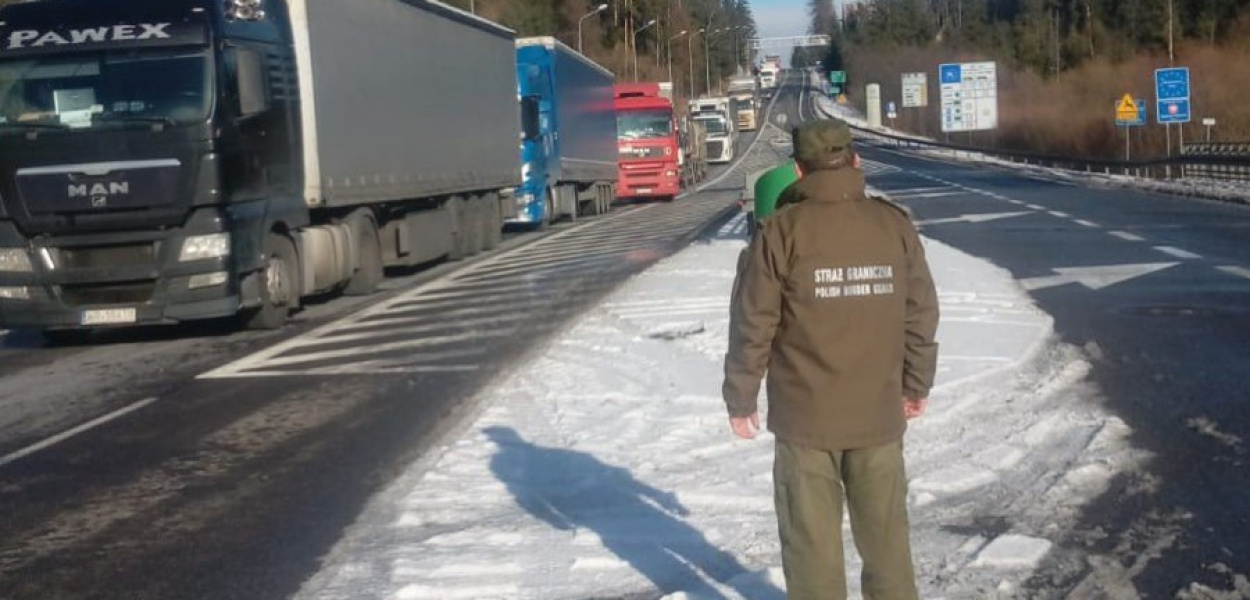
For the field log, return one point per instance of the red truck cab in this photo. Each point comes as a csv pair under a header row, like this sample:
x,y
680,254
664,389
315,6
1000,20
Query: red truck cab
x,y
647,141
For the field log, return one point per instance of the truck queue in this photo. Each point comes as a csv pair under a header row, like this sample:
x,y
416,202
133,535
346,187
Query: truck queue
x,y
243,155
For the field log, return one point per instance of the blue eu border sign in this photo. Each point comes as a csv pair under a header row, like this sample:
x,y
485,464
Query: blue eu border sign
x,y
1172,95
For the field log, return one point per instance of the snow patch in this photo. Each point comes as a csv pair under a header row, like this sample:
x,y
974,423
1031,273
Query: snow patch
x,y
1013,551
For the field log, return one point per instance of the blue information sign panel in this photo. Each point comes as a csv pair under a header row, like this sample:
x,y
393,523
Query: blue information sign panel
x,y
1172,95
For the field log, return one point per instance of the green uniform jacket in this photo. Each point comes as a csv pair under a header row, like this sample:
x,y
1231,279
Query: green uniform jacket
x,y
834,300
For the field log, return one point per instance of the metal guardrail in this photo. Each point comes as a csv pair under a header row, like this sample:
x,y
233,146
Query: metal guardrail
x,y
1236,170
1221,161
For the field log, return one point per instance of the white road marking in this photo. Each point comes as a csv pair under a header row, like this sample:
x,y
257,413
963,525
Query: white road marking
x,y
1236,271
69,433
1126,236
1177,252
1061,215
1094,278
1090,224
974,218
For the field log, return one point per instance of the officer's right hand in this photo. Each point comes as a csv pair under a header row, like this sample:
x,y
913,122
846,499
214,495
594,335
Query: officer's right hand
x,y
745,427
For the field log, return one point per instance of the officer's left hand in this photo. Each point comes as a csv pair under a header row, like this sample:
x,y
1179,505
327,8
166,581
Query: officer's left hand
x,y
746,427
914,407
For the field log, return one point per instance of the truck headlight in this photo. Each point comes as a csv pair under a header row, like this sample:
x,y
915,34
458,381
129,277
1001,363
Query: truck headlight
x,y
204,247
14,293
15,260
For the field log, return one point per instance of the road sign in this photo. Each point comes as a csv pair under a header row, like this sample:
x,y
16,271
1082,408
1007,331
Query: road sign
x,y
788,42
891,110
1126,110
915,90
969,96
837,82
1172,95
1136,117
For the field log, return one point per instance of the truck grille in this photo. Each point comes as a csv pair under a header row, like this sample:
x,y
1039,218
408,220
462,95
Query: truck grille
x,y
95,257
107,293
643,152
715,149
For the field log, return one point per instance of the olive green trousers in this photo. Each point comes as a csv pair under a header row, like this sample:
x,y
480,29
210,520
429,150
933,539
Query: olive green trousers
x,y
809,488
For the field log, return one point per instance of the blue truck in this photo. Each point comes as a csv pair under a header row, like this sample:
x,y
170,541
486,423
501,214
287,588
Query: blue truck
x,y
568,150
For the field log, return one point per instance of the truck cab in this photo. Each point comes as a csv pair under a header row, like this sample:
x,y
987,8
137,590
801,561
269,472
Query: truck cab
x,y
716,117
120,126
745,96
648,143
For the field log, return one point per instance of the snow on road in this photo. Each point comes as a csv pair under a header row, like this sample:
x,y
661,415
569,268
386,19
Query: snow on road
x,y
603,467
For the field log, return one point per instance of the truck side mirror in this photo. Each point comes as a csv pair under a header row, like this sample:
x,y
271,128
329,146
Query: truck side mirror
x,y
530,126
249,72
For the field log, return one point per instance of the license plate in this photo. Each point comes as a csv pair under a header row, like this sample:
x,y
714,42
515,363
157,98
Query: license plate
x,y
110,316
645,190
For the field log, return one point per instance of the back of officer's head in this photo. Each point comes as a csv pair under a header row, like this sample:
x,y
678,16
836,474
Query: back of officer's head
x,y
823,145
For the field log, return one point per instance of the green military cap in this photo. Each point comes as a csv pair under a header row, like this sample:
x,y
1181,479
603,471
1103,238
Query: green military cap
x,y
821,142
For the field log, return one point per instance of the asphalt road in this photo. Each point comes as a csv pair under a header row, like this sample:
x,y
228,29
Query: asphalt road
x,y
1156,290
207,462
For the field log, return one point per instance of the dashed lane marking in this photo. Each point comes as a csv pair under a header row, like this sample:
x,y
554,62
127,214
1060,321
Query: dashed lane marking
x,y
1084,223
69,433
1235,270
1126,236
1178,252
872,167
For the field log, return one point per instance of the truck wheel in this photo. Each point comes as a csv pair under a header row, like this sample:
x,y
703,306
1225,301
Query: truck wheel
x,y
459,222
549,209
368,274
492,224
279,284
477,230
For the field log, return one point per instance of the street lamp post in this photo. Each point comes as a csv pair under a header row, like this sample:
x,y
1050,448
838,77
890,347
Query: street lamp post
x,y
707,59
634,38
690,58
670,52
601,8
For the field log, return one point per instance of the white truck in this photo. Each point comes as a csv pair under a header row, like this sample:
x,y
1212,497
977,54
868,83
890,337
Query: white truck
x,y
745,103
717,119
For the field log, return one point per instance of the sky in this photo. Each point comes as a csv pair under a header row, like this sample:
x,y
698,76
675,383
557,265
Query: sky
x,y
780,18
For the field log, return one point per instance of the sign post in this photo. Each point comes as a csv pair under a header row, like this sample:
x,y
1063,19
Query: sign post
x,y
1208,123
1129,113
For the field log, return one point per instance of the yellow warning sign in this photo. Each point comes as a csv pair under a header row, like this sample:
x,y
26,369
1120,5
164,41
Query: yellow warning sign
x,y
1126,110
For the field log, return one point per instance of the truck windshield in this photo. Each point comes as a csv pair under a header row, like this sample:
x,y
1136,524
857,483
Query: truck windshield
x,y
714,126
104,89
643,124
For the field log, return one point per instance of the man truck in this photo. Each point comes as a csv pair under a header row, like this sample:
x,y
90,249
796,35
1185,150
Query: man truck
x,y
647,141
171,160
568,154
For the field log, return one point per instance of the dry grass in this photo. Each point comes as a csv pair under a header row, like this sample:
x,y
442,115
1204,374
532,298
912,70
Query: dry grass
x,y
1074,114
